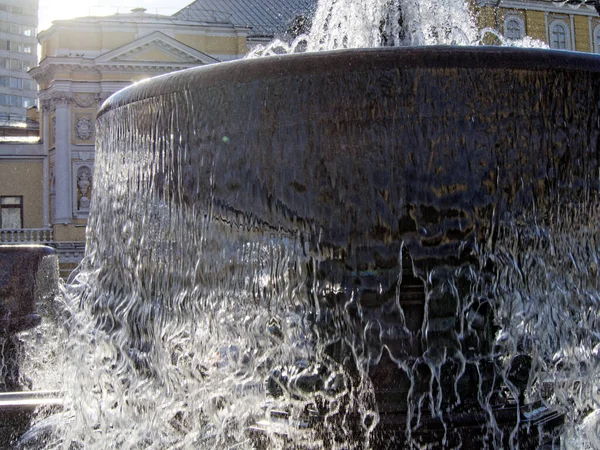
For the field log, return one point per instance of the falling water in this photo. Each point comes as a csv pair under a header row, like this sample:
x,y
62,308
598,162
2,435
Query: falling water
x,y
356,270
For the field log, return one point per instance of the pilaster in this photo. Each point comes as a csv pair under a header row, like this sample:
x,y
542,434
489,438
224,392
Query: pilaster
x,y
63,212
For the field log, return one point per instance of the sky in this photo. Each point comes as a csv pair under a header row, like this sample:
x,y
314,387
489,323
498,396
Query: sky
x,y
67,9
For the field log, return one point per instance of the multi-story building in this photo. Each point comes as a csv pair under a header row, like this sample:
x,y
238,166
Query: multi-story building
x,y
18,54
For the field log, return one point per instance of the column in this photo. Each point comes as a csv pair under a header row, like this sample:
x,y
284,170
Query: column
x,y
63,208
45,108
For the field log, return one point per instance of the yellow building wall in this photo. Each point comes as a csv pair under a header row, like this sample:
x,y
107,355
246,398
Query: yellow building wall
x,y
115,39
486,17
79,40
153,54
85,76
49,47
213,44
25,178
582,34
70,233
535,23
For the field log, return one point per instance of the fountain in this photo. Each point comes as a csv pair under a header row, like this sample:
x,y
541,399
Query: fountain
x,y
363,248
28,278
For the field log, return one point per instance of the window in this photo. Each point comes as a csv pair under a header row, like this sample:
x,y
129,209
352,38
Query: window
x,y
14,28
18,65
28,102
559,35
16,46
514,28
16,83
16,100
11,212
29,31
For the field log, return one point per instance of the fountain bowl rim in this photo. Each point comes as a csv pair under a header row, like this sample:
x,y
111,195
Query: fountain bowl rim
x,y
353,60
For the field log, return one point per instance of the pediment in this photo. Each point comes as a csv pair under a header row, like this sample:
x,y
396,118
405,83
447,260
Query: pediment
x,y
156,47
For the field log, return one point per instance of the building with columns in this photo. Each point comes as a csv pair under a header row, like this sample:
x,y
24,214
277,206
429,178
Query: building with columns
x,y
83,62
49,180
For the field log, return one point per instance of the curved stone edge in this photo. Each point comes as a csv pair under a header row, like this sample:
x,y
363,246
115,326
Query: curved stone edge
x,y
358,60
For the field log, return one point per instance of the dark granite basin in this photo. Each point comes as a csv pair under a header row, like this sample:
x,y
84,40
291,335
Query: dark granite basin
x,y
420,154
22,285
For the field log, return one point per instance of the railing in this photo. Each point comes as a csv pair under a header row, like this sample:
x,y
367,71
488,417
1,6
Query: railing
x,y
26,235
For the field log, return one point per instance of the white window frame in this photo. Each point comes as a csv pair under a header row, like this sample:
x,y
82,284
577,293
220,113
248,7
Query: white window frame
x,y
15,204
520,23
554,25
596,38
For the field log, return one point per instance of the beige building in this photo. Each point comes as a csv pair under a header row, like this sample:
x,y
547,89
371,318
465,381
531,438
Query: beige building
x,y
46,182
564,25
45,187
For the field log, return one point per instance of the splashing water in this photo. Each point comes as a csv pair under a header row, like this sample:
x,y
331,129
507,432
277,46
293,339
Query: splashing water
x,y
232,299
363,24
342,24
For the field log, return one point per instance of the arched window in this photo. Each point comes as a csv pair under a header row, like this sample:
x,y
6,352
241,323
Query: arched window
x,y
597,39
514,28
559,35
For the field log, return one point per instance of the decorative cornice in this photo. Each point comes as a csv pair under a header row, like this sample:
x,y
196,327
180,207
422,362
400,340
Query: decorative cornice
x,y
552,7
46,71
49,101
180,55
86,99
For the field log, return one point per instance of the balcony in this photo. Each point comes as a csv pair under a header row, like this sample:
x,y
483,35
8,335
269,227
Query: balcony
x,y
26,235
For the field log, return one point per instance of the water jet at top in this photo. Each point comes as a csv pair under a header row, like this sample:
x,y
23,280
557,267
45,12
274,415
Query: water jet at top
x,y
368,248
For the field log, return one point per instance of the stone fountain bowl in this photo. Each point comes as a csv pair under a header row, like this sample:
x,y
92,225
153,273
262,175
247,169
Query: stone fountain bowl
x,y
431,146
436,152
28,274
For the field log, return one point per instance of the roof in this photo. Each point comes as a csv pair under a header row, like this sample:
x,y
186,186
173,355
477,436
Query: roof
x,y
267,18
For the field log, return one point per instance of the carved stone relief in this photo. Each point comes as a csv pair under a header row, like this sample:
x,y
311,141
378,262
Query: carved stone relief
x,y
86,99
50,102
84,127
84,187
52,180
52,131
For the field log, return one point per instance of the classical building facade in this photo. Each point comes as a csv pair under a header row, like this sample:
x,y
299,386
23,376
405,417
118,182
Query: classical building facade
x,y
83,62
564,25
